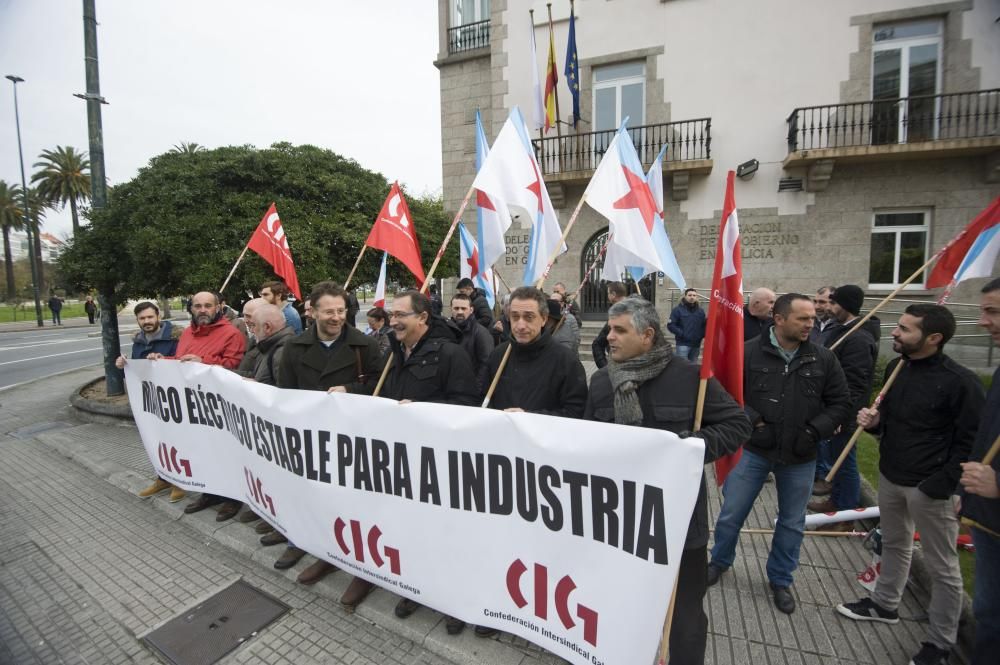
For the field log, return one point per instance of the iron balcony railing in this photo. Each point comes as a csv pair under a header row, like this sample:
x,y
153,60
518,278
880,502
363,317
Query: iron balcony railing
x,y
960,115
685,140
469,36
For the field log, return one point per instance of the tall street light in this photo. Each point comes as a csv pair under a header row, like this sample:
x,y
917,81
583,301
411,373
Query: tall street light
x,y
24,190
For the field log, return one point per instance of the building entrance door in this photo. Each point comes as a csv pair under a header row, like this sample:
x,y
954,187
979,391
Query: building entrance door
x,y
593,299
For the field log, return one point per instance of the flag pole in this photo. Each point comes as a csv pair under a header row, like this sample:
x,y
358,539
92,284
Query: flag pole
x,y
555,89
230,275
857,432
586,277
665,640
356,264
427,278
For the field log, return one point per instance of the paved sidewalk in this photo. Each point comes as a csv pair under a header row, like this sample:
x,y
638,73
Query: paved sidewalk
x,y
86,568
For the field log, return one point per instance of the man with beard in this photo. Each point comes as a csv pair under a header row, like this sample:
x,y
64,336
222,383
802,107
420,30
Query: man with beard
x,y
541,376
645,385
212,340
796,395
427,366
276,293
335,357
480,305
599,347
687,323
926,426
154,336
476,340
824,318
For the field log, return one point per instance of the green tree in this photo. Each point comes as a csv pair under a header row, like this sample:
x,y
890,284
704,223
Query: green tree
x,y
179,225
11,218
37,207
64,177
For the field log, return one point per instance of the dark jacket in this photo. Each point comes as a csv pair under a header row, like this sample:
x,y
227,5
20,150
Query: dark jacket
x,y
857,355
668,403
986,512
353,307
687,323
438,370
481,309
352,361
927,424
478,343
792,407
381,337
541,376
90,307
164,342
262,361
599,347
754,327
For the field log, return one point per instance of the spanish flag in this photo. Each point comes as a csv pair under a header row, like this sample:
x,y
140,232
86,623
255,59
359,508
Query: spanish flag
x,y
551,79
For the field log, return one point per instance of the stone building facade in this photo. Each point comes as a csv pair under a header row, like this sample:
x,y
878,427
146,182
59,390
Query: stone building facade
x,y
873,126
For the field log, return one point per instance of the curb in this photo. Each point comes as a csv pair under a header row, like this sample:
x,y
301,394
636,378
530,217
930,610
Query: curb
x,y
94,407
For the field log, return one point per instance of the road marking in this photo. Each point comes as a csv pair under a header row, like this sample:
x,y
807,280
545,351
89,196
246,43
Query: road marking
x,y
28,345
55,355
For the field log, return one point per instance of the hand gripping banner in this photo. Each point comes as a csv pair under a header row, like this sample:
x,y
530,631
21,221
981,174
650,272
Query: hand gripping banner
x,y
564,532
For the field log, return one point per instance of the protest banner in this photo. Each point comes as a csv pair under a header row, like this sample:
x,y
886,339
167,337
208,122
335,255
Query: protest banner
x,y
567,533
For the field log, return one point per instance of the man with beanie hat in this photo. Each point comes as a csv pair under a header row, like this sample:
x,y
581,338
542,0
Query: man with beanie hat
x,y
857,354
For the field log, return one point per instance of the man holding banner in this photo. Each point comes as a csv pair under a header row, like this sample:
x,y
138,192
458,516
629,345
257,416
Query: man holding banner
x,y
646,385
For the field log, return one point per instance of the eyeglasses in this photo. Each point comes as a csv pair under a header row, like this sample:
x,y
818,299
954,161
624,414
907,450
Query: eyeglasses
x,y
400,315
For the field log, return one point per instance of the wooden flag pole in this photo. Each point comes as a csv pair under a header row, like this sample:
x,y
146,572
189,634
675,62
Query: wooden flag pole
x,y
826,534
427,278
699,406
356,264
992,452
230,275
665,640
857,433
496,377
562,241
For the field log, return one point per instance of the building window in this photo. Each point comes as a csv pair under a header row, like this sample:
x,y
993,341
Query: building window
x,y
464,12
906,63
619,93
899,248
470,25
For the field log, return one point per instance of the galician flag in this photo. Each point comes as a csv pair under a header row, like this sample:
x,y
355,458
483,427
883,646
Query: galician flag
x,y
510,177
492,223
972,253
380,287
654,178
470,266
723,357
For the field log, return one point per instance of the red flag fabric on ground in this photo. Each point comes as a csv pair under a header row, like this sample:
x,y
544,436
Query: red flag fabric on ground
x,y
394,232
723,357
270,241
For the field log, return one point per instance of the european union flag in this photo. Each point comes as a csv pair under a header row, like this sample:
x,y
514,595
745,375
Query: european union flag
x,y
572,71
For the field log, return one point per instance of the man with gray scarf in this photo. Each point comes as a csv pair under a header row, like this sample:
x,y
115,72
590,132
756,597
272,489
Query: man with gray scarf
x,y
645,385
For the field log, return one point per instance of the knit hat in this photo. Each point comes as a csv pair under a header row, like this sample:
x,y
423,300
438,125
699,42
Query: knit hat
x,y
850,297
555,309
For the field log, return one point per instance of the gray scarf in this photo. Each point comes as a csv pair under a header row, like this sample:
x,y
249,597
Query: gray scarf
x,y
626,377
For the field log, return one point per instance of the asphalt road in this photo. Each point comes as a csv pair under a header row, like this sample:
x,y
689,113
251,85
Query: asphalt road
x,y
33,354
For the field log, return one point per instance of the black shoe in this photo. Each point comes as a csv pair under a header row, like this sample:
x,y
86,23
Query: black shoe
x,y
453,626
273,538
866,610
930,654
405,607
486,631
263,527
227,511
714,573
201,503
783,599
291,556
247,516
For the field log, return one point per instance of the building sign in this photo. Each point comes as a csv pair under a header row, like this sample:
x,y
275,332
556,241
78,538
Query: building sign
x,y
759,241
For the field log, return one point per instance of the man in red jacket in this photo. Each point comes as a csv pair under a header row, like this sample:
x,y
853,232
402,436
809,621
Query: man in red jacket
x,y
213,340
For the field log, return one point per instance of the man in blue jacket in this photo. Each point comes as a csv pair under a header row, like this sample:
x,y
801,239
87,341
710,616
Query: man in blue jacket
x,y
687,323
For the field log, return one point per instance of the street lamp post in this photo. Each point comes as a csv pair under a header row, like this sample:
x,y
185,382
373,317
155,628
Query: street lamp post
x,y
27,221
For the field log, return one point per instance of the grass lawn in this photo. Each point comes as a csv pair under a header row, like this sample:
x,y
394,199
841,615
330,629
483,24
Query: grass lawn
x,y
868,467
27,312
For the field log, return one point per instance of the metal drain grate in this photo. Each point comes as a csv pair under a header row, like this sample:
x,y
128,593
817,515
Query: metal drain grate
x,y
209,631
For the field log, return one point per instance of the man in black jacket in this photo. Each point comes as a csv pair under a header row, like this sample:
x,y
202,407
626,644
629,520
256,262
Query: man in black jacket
x,y
480,305
757,313
796,395
475,339
427,366
599,347
687,323
856,353
541,376
981,500
926,425
645,385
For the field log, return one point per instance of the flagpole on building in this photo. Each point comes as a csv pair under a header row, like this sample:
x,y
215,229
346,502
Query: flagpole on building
x,y
230,275
555,90
356,264
430,274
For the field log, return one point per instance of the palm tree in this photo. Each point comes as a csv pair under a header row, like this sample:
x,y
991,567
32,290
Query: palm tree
x,y
64,178
184,148
37,205
11,218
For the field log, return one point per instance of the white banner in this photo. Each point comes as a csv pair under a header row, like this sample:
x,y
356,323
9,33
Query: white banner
x,y
564,532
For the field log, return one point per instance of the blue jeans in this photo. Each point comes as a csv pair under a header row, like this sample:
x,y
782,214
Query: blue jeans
x,y
689,352
986,598
823,461
794,483
846,492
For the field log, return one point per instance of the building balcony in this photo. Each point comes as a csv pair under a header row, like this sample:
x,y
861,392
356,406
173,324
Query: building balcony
x,y
468,37
919,127
572,158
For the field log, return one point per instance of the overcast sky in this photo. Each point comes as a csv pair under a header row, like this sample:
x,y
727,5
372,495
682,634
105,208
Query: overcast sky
x,y
354,77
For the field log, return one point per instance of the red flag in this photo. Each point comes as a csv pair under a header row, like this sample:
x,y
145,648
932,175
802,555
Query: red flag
x,y
394,232
974,247
270,241
723,357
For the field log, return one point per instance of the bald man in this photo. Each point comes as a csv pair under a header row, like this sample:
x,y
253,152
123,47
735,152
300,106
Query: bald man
x,y
757,313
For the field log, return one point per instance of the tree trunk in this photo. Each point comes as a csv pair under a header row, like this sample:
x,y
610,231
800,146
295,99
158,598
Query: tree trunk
x,y
164,307
114,377
38,259
8,264
76,217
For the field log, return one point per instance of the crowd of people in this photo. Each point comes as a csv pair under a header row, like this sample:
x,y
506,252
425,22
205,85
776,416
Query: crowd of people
x,y
809,368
